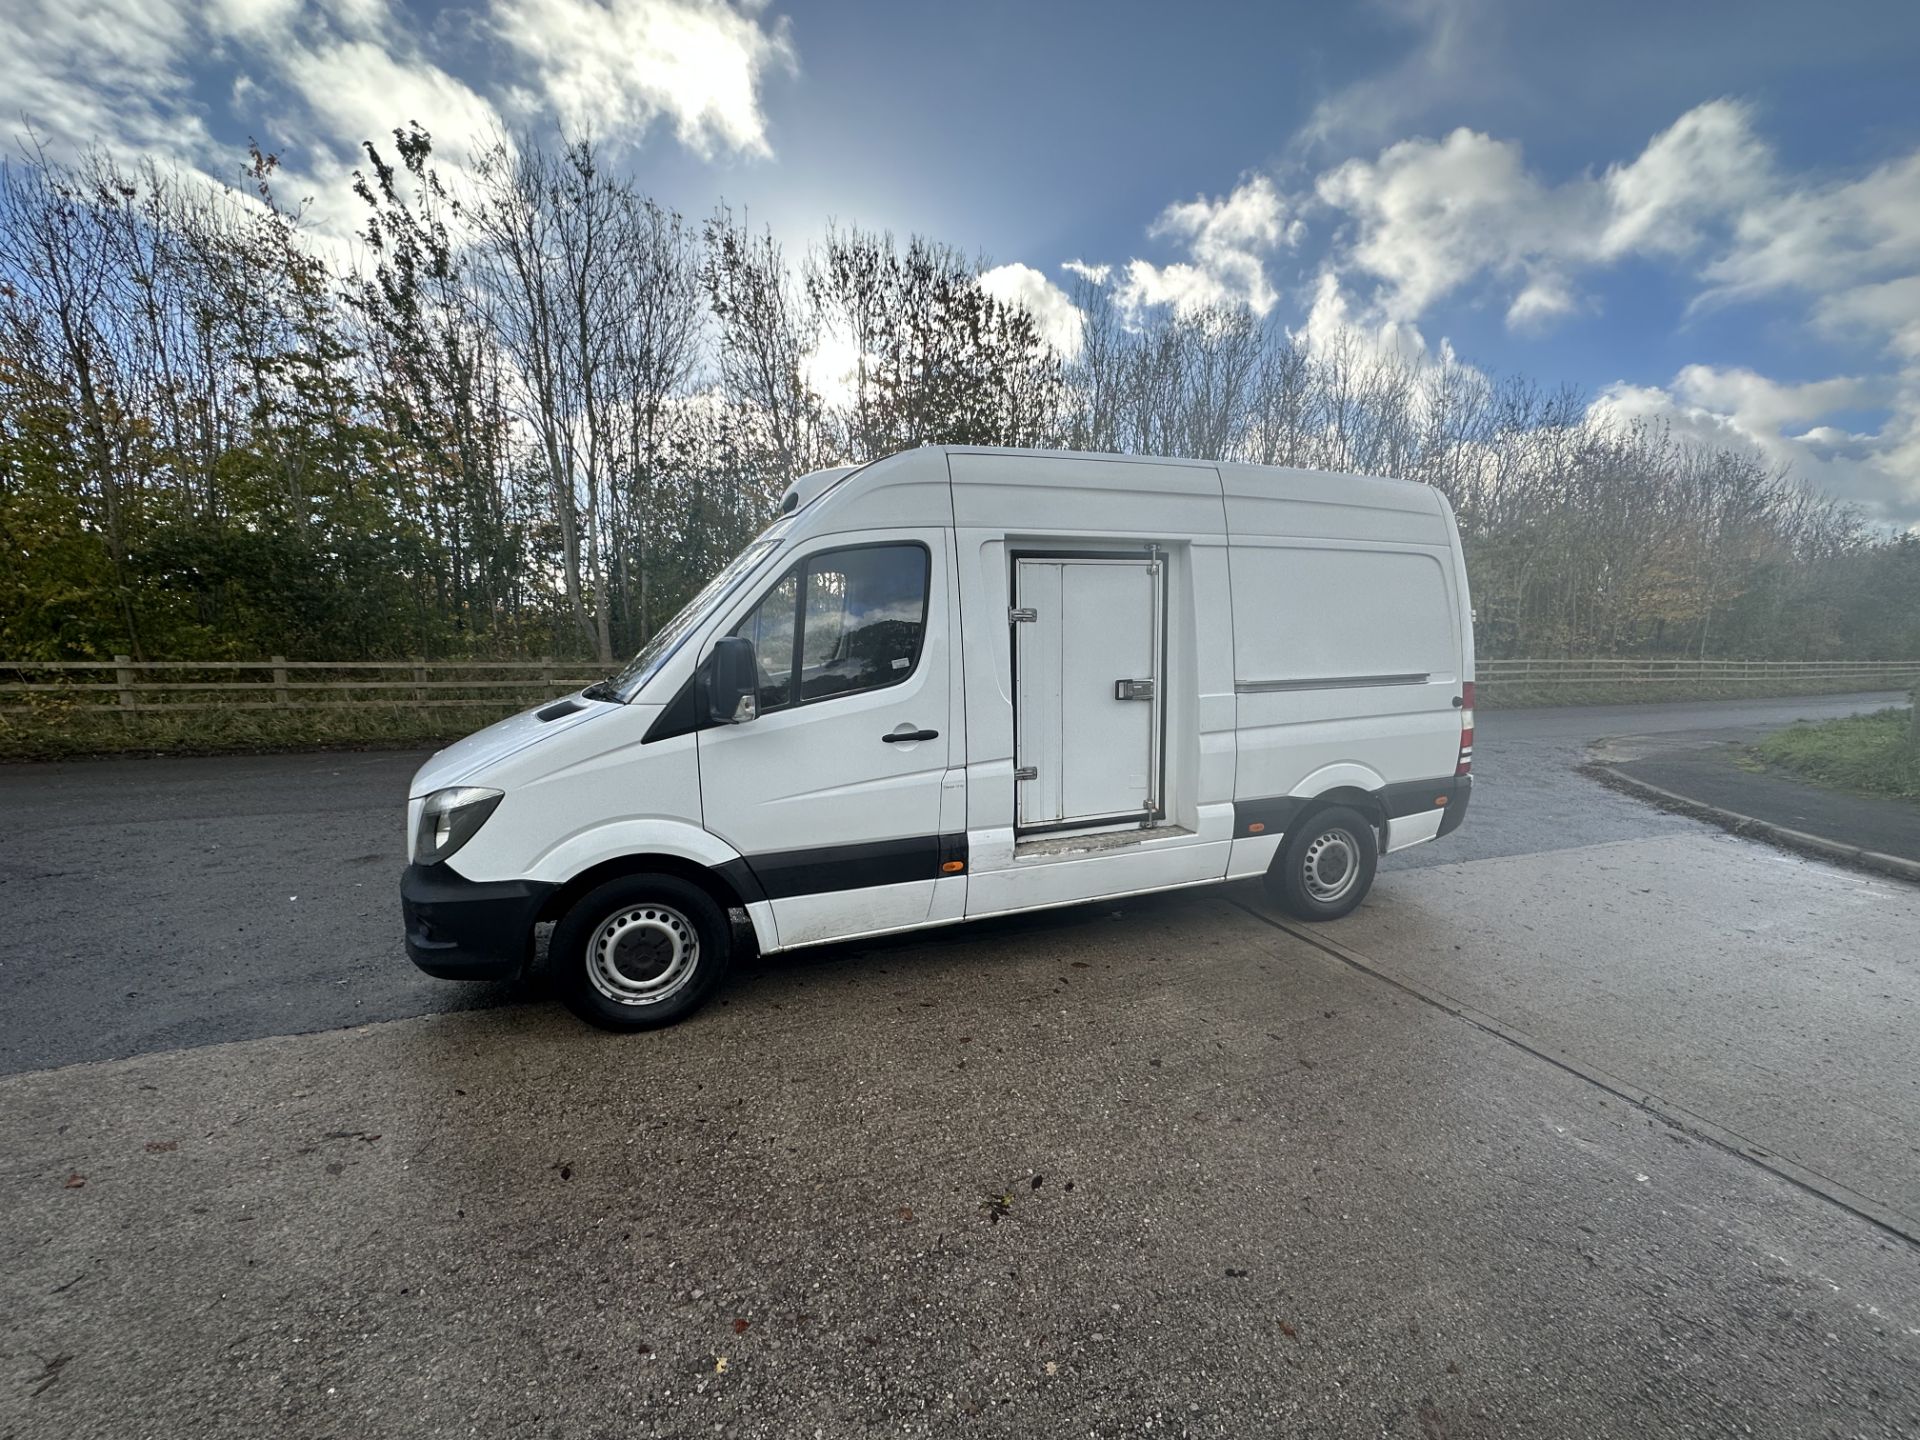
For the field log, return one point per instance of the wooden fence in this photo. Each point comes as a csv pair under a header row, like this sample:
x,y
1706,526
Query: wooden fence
x,y
133,687
130,687
1752,676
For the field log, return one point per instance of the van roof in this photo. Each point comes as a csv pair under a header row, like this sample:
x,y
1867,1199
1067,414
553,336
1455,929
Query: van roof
x,y
1236,478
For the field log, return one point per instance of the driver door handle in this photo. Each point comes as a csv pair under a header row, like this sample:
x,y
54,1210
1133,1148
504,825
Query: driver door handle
x,y
894,737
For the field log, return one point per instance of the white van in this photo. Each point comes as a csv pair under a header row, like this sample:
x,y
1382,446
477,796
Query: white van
x,y
962,682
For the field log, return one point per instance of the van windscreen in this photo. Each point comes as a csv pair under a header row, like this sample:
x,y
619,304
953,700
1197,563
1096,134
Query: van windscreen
x,y
667,639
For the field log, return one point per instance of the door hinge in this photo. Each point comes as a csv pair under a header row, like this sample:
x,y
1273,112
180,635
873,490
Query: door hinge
x,y
1025,614
1133,689
1026,772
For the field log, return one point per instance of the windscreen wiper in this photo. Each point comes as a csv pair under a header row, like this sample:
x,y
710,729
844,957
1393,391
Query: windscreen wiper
x,y
602,690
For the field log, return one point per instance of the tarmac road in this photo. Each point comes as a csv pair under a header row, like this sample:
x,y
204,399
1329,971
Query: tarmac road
x,y
1593,1121
160,904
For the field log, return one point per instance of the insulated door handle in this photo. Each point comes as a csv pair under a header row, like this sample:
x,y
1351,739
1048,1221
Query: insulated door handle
x,y
896,736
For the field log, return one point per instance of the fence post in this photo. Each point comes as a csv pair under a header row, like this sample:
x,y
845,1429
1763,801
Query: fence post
x,y
123,677
281,695
546,674
420,678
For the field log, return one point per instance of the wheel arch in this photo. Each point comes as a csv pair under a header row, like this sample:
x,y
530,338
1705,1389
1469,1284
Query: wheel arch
x,y
1367,802
724,891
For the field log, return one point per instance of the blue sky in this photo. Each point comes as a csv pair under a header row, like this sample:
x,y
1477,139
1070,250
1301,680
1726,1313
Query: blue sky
x,y
1706,214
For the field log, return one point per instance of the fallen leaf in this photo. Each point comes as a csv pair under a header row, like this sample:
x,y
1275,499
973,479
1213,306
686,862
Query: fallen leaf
x,y
905,1212
1288,1331
1053,1367
160,1147
740,1326
75,1181
719,1364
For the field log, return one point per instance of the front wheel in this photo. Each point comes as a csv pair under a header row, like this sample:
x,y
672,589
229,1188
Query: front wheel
x,y
1325,866
640,952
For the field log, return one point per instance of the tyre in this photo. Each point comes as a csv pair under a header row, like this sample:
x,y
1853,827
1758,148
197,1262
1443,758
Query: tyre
x,y
1325,865
640,952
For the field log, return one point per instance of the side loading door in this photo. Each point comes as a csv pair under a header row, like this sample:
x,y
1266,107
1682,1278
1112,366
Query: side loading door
x,y
833,792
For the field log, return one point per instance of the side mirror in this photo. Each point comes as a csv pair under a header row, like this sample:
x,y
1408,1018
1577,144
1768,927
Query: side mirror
x,y
731,681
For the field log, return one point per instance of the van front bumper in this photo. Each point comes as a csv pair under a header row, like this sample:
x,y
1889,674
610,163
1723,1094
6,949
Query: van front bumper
x,y
461,929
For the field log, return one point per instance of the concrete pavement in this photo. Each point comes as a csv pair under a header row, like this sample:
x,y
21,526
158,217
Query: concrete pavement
x,y
1173,1175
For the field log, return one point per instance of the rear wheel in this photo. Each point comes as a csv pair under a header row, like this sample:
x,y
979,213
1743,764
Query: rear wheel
x,y
640,952
1325,865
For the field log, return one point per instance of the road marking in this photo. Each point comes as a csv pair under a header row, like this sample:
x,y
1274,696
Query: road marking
x,y
1874,1212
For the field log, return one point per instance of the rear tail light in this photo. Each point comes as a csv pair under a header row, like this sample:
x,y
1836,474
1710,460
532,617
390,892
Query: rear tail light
x,y
1465,767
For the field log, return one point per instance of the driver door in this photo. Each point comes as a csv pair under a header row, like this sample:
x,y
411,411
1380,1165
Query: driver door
x,y
832,792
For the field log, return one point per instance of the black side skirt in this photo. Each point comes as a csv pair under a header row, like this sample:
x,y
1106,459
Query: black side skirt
x,y
1412,797
784,874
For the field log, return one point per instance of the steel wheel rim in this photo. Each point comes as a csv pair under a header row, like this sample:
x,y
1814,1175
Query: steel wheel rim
x,y
1331,867
643,954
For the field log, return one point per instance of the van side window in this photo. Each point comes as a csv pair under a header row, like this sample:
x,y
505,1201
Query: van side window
x,y
863,612
770,627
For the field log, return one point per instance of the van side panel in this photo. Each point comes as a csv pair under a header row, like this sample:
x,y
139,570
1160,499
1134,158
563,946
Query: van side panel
x,y
1007,505
1347,650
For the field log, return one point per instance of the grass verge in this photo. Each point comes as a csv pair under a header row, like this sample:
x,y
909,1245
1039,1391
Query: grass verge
x,y
1519,695
1866,754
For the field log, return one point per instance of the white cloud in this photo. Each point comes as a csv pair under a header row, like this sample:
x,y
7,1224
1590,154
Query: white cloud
x,y
315,79
1764,406
115,72
1055,315
1707,165
358,91
1745,411
1332,328
1548,297
1431,216
1092,274
1227,241
1889,307
1428,219
1818,236
613,67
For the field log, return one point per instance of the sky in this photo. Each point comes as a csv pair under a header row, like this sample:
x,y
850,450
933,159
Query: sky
x,y
1704,214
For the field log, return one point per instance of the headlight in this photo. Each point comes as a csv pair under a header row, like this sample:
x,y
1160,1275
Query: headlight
x,y
449,819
